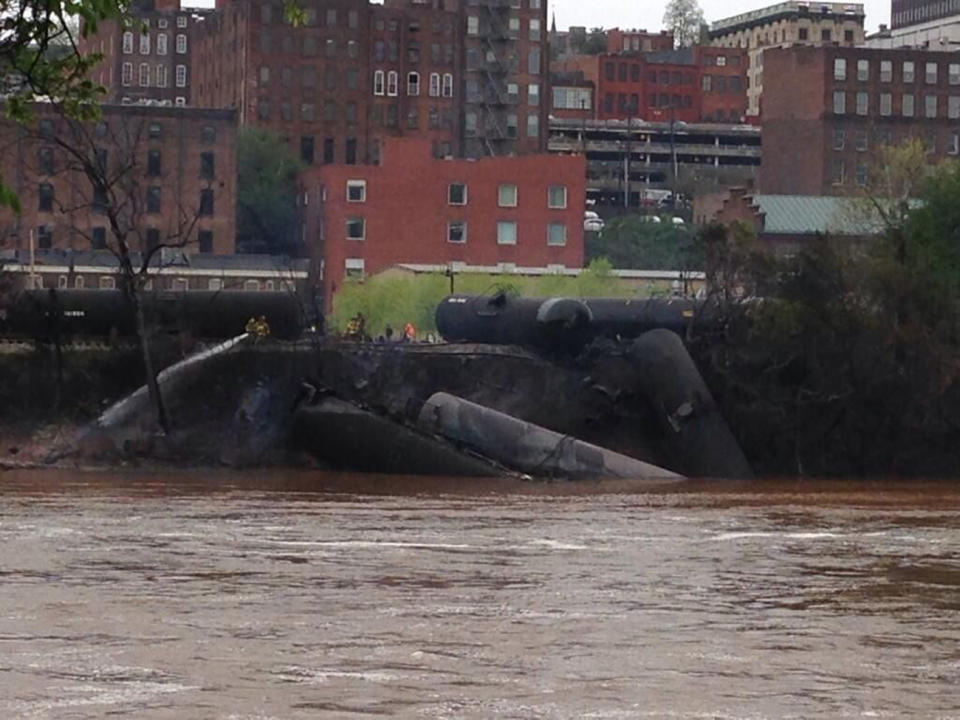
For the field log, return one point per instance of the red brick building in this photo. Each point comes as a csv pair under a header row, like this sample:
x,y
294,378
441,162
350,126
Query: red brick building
x,y
148,64
518,211
173,170
637,41
823,127
701,84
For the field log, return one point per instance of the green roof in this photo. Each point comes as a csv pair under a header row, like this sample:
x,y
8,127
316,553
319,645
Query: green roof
x,y
811,214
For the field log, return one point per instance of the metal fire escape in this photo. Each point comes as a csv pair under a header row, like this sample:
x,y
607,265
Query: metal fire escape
x,y
494,130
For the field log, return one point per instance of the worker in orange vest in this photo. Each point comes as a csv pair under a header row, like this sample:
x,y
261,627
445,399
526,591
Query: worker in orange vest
x,y
409,333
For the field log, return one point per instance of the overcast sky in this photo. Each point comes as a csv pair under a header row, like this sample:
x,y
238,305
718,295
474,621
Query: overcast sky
x,y
648,13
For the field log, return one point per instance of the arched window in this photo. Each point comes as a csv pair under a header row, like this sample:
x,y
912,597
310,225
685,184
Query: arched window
x,y
434,84
392,80
378,82
127,42
447,85
413,84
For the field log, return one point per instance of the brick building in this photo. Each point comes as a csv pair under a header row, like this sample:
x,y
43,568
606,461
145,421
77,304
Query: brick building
x,y
518,211
823,129
699,84
795,22
150,63
173,170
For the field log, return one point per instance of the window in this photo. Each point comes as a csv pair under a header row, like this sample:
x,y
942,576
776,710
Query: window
x,y
127,43
861,175
354,268
206,201
182,21
251,285
181,76
181,44
557,197
434,89
556,234
378,82
824,36
863,103
329,150
513,27
207,165
886,71
356,228
838,172
215,284
804,34
863,70
153,199
953,73
78,282
533,94
507,195
331,17
839,102
353,19
98,238
953,144
350,151
447,85
205,241
264,75
906,105
44,237
162,79
931,73
356,191
62,282
456,231
930,106
838,139
533,62
153,238
208,134
144,75
908,71
953,107
534,29
153,163
457,194
392,80
306,149
886,104
107,282
45,161
307,112
126,74
413,84
533,126
839,69
860,140
45,197
145,43
506,232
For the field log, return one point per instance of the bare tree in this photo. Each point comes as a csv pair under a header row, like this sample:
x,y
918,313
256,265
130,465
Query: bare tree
x,y
106,170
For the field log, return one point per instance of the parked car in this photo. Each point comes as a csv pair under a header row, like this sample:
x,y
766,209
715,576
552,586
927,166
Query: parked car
x,y
592,222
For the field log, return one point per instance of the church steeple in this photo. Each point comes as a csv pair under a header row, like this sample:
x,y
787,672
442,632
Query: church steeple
x,y
553,24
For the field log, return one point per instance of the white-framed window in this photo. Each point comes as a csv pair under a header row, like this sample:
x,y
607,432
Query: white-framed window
x,y
863,70
953,144
378,82
908,71
145,43
886,71
162,24
126,74
953,73
931,73
392,81
356,191
251,285
181,76
434,85
162,44
448,84
533,126
930,106
473,25
953,107
506,232
457,232
144,78
906,105
354,268
839,69
507,195
886,104
215,284
107,282
79,282
557,197
863,103
356,228
127,42
533,94
839,102
534,29
180,101
162,79
181,21
62,282
413,84
181,43
556,234
457,194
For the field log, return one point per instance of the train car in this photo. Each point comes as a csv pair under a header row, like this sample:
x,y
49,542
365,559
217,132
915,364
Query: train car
x,y
75,314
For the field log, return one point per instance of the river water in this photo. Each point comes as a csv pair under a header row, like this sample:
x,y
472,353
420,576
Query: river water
x,y
304,595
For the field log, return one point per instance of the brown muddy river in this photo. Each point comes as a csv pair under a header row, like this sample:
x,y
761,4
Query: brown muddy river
x,y
306,595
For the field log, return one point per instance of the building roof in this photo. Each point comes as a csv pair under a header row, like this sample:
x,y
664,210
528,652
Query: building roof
x,y
811,214
173,261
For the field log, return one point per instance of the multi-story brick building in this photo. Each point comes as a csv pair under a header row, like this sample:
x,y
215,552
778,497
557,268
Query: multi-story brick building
x,y
823,128
147,60
699,84
172,172
506,77
795,22
518,211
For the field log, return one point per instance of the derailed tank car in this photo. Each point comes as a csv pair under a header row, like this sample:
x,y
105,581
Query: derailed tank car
x,y
77,314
